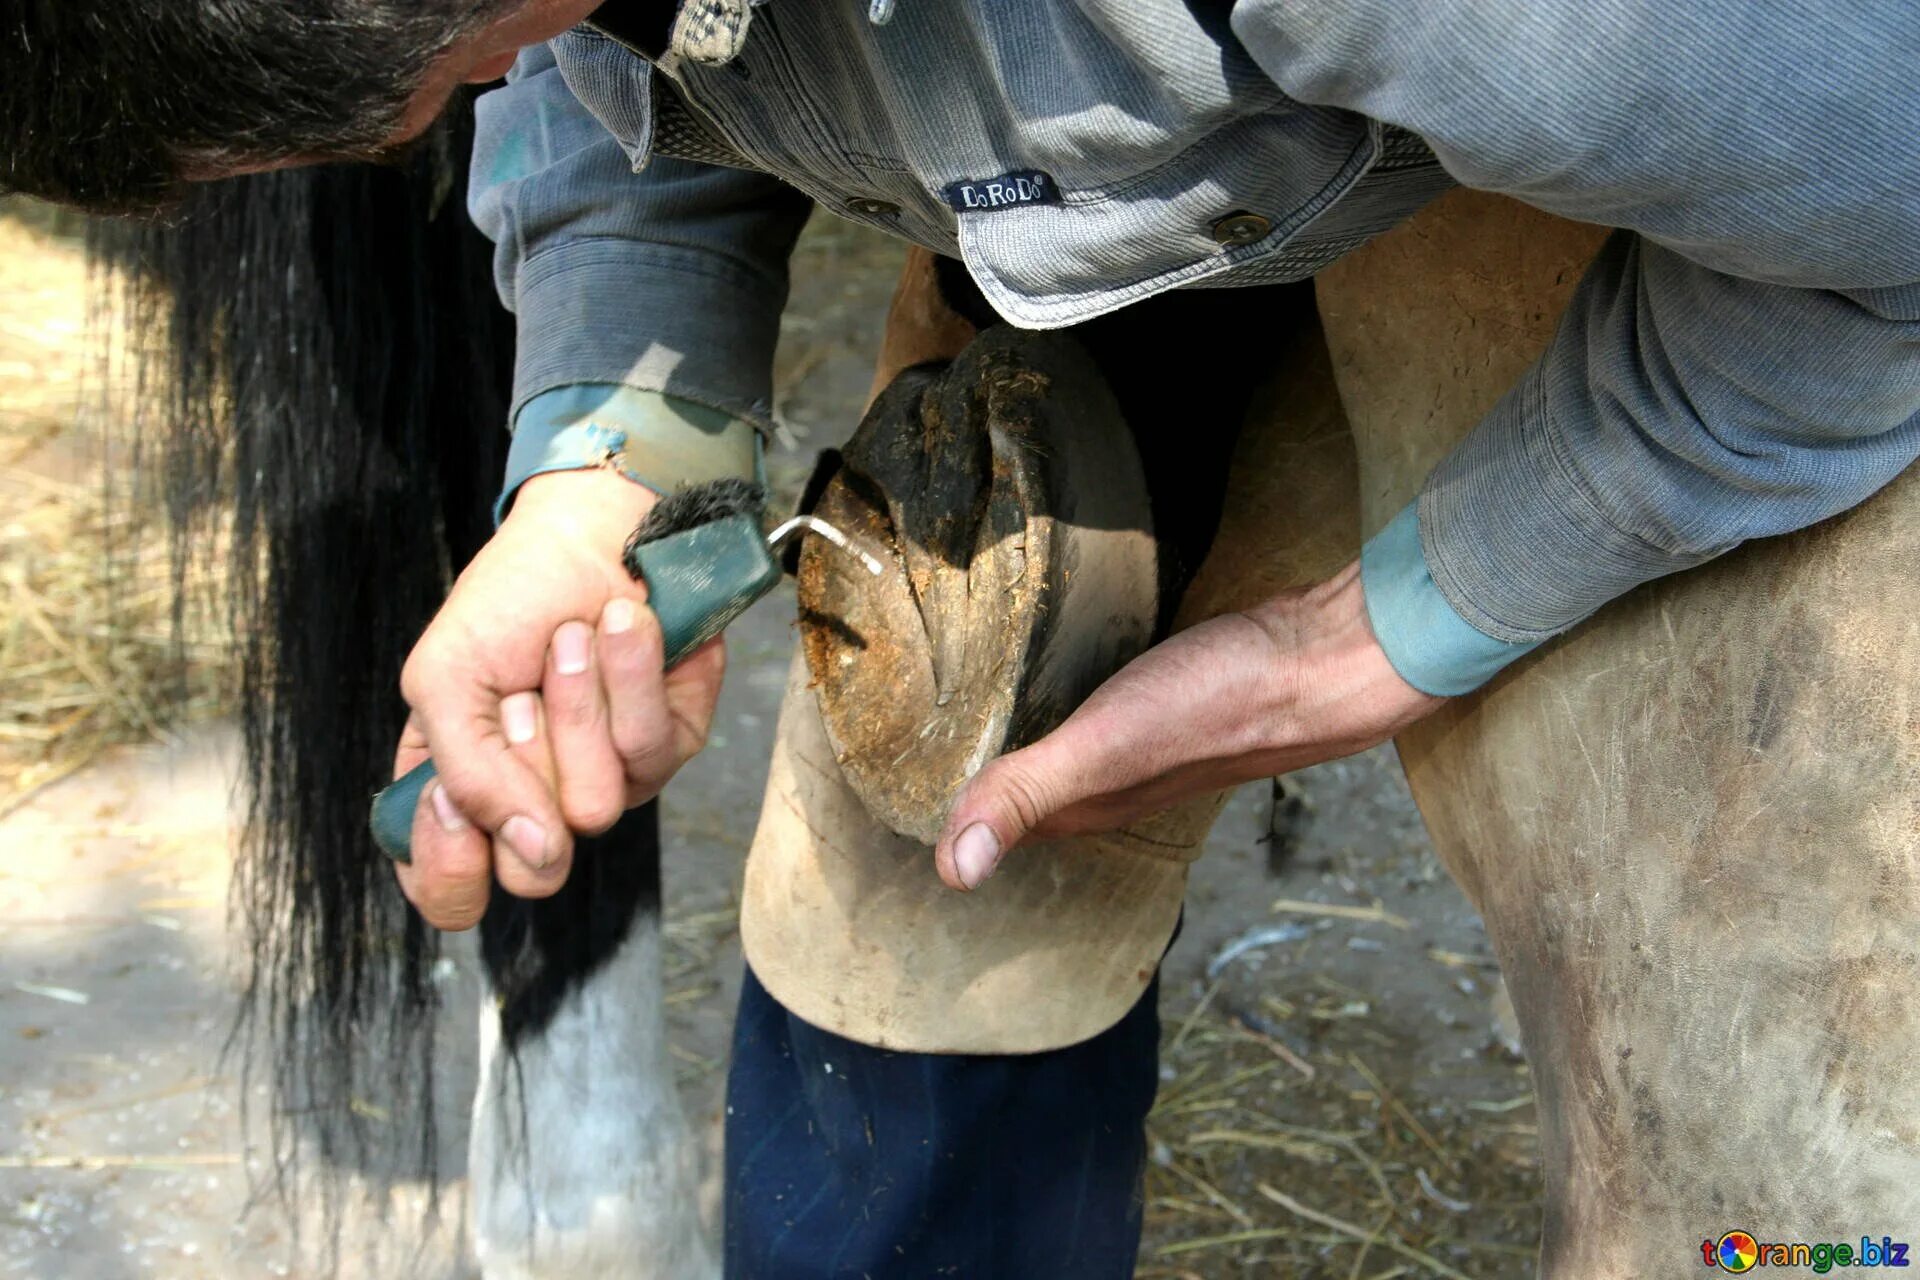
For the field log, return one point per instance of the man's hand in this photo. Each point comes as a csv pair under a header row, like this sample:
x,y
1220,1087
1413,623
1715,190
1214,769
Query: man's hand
x,y
1298,680
539,692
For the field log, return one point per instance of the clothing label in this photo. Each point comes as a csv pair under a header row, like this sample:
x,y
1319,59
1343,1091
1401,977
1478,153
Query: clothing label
x,y
1027,186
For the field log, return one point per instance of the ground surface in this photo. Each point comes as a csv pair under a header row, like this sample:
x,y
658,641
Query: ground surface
x,y
1335,1103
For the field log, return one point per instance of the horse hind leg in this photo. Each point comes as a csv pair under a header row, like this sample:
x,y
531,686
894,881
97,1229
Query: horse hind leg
x,y
1693,831
581,1163
1692,825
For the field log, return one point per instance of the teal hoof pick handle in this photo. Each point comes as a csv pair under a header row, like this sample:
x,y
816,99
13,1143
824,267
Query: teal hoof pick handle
x,y
704,559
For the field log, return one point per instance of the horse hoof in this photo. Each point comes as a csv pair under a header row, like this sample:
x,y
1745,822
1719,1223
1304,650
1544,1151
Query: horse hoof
x,y
1004,493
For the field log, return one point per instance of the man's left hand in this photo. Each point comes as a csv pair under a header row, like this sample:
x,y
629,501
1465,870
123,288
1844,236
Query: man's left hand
x,y
1295,681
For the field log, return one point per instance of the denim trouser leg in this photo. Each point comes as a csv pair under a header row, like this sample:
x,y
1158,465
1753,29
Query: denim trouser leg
x,y
848,1161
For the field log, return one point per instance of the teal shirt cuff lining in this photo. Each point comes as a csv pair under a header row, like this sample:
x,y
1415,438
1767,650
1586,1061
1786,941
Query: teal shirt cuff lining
x,y
662,442
1432,647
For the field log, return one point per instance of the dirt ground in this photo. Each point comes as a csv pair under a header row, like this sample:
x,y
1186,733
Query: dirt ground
x,y
1337,1101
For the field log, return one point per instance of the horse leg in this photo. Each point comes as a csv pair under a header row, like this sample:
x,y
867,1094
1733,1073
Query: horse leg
x,y
997,1129
580,1161
1691,825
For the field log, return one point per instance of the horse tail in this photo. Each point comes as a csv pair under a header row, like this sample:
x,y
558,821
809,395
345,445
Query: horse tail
x,y
324,415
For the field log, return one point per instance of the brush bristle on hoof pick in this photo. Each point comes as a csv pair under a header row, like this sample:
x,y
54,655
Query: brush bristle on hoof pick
x,y
704,559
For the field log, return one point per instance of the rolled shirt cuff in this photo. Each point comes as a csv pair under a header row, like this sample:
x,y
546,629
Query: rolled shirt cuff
x,y
654,439
1432,647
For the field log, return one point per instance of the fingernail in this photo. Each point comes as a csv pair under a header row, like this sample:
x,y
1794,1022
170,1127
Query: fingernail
x,y
570,649
527,840
617,617
449,817
975,854
518,719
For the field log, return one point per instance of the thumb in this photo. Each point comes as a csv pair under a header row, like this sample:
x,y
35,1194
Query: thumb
x,y
1002,805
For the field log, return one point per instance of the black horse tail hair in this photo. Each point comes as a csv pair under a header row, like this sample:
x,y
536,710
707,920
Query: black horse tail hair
x,y
325,414
325,417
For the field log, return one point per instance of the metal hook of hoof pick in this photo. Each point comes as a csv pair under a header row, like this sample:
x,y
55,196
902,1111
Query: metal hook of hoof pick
x,y
814,524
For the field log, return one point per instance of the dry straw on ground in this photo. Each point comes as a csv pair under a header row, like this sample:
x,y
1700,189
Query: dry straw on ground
x,y
1282,1145
87,644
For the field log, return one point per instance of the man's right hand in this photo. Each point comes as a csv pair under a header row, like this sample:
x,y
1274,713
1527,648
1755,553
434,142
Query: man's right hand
x,y
539,693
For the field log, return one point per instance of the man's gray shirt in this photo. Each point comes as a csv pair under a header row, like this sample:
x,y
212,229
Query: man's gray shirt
x,y
1742,359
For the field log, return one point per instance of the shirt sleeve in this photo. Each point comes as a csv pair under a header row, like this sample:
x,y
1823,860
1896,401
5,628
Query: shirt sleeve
x,y
660,441
1742,359
1432,647
668,280
1677,412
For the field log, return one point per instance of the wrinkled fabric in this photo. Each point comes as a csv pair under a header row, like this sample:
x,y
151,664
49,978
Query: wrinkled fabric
x,y
1744,361
672,281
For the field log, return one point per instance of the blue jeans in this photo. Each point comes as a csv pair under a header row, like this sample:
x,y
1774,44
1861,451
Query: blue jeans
x,y
848,1161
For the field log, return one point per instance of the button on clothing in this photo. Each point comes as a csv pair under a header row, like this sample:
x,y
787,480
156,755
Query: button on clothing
x,y
1241,228
1744,361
